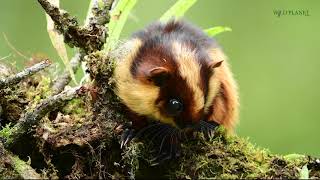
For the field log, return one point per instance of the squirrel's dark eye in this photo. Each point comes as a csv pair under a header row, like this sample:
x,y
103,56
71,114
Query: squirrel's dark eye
x,y
174,107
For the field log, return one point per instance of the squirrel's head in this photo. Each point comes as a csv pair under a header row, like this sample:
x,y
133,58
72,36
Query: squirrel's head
x,y
167,81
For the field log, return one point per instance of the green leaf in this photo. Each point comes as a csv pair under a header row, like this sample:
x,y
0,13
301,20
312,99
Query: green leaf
x,y
119,17
216,30
304,173
178,9
57,41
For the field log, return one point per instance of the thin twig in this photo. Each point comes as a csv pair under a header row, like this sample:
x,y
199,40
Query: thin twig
x,y
15,79
63,80
97,16
12,47
5,57
33,117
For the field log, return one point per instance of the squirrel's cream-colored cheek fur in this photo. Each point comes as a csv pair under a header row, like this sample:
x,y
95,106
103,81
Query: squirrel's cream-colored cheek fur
x,y
223,95
137,96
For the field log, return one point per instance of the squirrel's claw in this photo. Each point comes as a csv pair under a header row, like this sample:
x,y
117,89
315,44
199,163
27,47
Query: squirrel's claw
x,y
169,150
126,137
208,128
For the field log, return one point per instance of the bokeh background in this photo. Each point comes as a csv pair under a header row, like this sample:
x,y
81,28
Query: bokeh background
x,y
275,60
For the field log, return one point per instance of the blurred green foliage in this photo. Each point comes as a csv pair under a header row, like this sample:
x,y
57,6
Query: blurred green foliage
x,y
275,59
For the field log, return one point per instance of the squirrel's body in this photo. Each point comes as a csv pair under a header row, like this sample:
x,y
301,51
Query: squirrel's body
x,y
175,74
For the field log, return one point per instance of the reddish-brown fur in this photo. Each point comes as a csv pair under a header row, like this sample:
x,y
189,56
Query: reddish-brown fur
x,y
224,109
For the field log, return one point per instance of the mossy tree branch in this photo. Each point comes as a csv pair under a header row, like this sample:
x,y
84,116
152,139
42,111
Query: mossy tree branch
x,y
21,168
33,117
90,38
220,157
98,16
15,79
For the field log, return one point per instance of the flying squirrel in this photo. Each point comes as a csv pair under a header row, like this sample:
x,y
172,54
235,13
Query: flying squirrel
x,y
174,74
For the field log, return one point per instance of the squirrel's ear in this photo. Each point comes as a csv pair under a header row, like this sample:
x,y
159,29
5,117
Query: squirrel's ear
x,y
215,64
158,75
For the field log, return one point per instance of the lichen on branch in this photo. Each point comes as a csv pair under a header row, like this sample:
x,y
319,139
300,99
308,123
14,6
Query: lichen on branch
x,y
90,38
14,79
33,117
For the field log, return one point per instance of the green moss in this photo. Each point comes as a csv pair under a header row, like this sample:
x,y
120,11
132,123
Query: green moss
x,y
13,102
18,164
132,157
223,157
7,173
41,91
6,132
23,169
75,106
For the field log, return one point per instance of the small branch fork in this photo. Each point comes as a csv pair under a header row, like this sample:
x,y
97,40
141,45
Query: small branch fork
x,y
94,28
15,79
32,118
89,38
